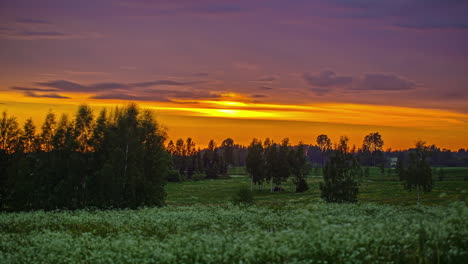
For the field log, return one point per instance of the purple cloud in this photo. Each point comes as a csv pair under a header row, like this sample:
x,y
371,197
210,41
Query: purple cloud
x,y
327,78
46,95
384,82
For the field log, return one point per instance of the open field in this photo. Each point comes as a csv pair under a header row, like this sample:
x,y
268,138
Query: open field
x,y
200,225
375,188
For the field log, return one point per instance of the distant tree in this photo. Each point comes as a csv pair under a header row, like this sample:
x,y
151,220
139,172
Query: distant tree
x,y
418,174
255,162
48,131
228,150
340,176
373,143
9,133
324,143
299,167
171,147
28,137
84,124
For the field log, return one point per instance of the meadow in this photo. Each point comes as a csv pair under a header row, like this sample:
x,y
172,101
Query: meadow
x,y
200,225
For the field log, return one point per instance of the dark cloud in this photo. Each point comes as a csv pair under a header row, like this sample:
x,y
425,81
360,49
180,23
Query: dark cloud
x,y
320,91
327,78
414,14
128,97
157,95
33,89
108,86
384,82
25,20
265,88
46,95
259,96
65,85
160,82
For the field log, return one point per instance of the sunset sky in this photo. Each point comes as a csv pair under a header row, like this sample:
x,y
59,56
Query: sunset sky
x,y
244,69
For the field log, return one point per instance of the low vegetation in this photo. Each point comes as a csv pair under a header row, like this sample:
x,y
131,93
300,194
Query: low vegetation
x,y
315,233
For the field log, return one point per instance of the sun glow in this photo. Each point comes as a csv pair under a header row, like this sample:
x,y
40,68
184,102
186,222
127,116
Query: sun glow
x,y
334,118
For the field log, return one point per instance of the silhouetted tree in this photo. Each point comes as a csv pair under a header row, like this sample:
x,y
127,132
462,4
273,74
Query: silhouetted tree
x,y
299,167
418,174
9,133
255,162
228,150
324,143
372,144
340,183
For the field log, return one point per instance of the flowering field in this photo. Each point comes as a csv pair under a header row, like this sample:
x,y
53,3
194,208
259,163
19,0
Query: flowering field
x,y
314,233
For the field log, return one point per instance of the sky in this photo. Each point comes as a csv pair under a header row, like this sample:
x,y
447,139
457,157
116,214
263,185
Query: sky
x,y
244,69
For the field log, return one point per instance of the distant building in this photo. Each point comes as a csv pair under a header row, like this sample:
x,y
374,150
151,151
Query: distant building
x,y
393,162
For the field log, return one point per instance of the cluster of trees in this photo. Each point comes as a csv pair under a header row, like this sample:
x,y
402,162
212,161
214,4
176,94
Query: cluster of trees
x,y
270,162
115,160
189,161
274,163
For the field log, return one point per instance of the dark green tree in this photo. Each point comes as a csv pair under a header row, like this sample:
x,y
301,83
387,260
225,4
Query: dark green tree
x,y
324,143
255,162
340,176
418,174
373,144
228,150
299,167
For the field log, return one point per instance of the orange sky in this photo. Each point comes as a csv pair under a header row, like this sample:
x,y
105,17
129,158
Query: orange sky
x,y
235,117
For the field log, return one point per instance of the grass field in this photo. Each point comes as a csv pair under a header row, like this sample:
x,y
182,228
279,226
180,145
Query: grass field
x,y
200,225
375,188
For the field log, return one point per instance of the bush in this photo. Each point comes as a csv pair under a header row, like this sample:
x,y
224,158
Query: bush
x,y
174,176
302,186
243,197
198,176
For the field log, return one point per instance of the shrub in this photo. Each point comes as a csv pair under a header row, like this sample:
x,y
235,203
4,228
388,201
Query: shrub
x,y
198,176
243,197
302,186
174,176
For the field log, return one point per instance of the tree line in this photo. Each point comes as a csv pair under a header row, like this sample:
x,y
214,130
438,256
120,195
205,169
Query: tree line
x,y
119,159
114,160
192,163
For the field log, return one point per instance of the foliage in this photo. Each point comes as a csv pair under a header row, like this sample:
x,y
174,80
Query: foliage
x,y
325,145
255,161
117,160
243,196
340,176
418,174
315,233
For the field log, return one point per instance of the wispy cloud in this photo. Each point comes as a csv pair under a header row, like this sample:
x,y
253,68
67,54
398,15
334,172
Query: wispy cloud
x,y
33,89
45,95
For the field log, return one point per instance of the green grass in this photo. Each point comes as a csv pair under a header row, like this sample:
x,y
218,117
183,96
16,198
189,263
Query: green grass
x,y
375,188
